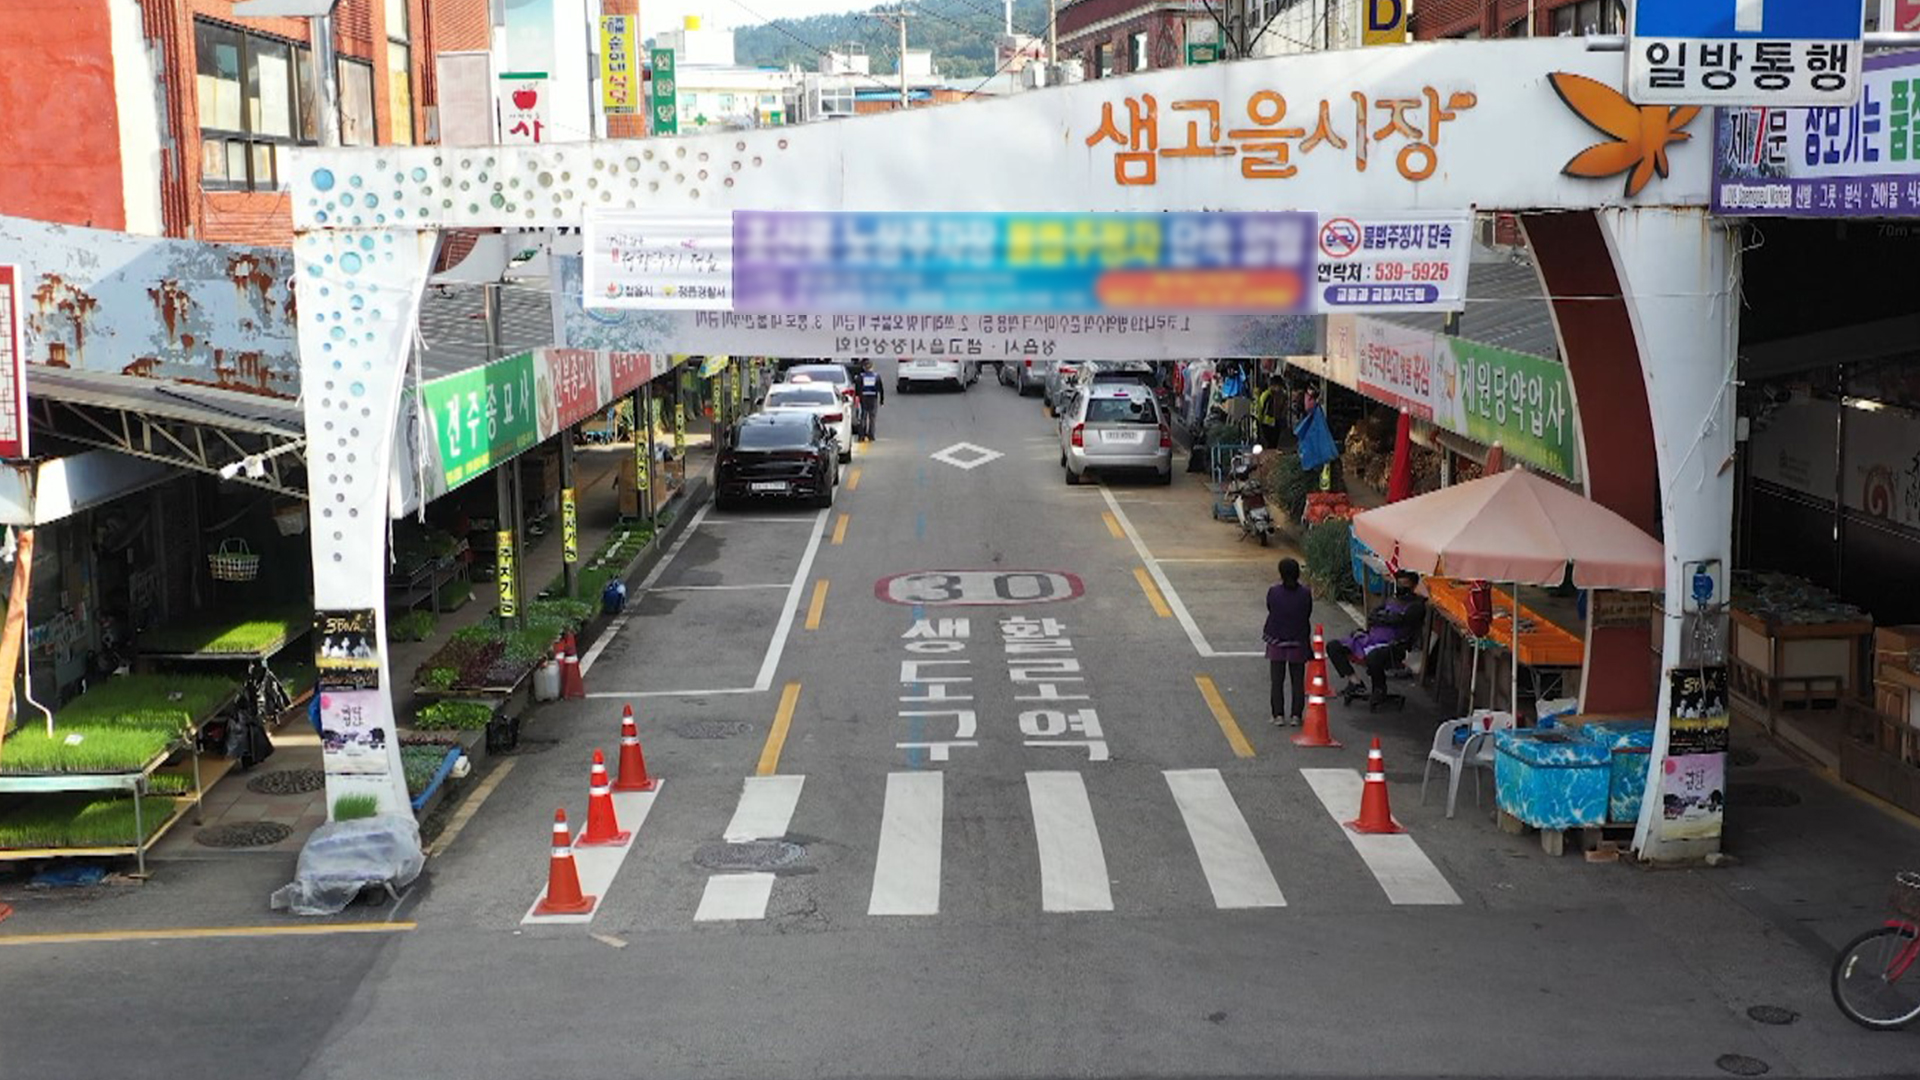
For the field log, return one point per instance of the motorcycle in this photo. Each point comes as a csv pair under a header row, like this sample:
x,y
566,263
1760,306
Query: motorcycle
x,y
1249,498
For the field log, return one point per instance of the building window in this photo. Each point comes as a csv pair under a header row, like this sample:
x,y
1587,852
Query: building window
x,y
400,92
1103,60
356,103
251,103
1137,51
396,19
1589,17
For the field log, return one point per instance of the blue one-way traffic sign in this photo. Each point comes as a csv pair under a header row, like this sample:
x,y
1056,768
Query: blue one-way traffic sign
x,y
1744,52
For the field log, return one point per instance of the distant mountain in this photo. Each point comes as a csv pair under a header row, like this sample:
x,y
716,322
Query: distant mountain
x,y
960,33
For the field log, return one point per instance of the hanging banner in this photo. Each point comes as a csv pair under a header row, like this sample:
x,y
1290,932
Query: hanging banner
x,y
619,92
664,97
679,428
503,569
642,467
569,528
13,371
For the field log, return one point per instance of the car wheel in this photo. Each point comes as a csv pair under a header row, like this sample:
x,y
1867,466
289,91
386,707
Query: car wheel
x,y
825,498
721,502
846,455
1072,479
1167,477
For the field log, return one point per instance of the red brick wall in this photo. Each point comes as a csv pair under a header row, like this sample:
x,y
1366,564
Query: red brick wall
x,y
461,25
1492,18
57,60
1166,44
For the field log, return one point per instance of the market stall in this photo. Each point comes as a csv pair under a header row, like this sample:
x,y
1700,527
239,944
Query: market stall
x,y
1549,656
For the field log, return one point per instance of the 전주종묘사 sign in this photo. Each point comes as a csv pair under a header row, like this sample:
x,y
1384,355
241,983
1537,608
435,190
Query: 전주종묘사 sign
x,y
482,416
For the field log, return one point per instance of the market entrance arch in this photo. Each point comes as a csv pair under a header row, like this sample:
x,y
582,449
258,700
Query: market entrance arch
x,y
1643,282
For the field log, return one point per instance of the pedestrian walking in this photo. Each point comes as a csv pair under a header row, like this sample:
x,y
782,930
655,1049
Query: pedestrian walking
x,y
1288,635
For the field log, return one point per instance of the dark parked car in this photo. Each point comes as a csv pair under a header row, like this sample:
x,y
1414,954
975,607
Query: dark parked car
x,y
778,455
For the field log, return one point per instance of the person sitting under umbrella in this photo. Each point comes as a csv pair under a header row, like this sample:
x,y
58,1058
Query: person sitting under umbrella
x,y
1383,645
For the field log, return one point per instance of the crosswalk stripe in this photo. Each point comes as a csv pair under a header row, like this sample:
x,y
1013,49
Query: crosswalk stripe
x,y
1073,869
1236,871
1396,861
766,808
732,897
906,872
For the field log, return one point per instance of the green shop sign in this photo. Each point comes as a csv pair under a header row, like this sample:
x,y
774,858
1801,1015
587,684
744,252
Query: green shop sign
x,y
1519,401
482,416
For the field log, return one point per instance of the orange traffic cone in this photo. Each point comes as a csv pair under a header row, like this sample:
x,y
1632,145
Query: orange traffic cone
x,y
1318,665
573,683
1375,815
633,763
1313,731
563,878
603,827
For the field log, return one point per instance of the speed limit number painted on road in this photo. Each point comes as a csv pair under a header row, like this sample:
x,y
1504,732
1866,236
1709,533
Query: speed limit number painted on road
x,y
977,588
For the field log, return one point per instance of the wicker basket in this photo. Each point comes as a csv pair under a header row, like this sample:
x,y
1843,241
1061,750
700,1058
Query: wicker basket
x,y
1906,894
233,562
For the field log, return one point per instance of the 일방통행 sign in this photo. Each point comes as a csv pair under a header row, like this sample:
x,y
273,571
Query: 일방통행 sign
x,y
1744,52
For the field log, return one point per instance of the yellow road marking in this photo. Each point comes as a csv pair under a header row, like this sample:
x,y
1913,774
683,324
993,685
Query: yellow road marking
x,y
1113,525
777,738
1147,586
853,480
840,529
201,932
1224,716
471,806
818,604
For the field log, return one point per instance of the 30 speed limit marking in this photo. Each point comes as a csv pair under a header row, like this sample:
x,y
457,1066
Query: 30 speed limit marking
x,y
978,588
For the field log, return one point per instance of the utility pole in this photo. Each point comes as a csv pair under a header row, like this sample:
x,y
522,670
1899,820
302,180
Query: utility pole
x,y
897,18
1053,35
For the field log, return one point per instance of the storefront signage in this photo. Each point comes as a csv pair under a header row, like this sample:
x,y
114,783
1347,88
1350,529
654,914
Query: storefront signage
x,y
619,76
1612,609
523,107
1795,447
1860,160
482,416
504,573
573,385
1384,22
13,371
1742,52
569,528
664,97
626,371
346,650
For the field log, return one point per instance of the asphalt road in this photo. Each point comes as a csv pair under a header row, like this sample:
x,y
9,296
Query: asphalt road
x,y
860,865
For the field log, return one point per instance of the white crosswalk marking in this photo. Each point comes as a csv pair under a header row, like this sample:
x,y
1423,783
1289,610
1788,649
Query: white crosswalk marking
x,y
906,873
1229,855
1073,869
732,897
766,808
1397,863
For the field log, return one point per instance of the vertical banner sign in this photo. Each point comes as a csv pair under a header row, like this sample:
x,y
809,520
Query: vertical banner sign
x,y
13,371
618,94
1694,776
1383,22
679,429
642,457
666,93
569,528
523,107
504,573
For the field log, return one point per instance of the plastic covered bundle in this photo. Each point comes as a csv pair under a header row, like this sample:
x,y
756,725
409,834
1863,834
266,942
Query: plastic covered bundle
x,y
343,857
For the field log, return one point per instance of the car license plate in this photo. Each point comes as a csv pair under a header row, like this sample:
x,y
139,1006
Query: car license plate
x,y
1128,437
770,485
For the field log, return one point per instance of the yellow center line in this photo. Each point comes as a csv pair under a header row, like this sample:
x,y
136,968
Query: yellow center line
x,y
840,529
1113,525
1147,586
200,932
471,806
777,738
818,605
1224,717
853,479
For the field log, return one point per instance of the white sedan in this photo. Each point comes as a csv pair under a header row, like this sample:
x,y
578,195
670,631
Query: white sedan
x,y
913,374
821,399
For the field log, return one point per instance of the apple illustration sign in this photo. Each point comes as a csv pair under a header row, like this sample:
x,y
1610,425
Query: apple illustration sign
x,y
526,97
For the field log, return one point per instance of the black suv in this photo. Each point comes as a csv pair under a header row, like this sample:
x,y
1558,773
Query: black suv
x,y
777,455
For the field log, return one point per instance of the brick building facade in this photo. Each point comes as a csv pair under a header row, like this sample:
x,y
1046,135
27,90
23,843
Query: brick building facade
x,y
1435,19
1120,37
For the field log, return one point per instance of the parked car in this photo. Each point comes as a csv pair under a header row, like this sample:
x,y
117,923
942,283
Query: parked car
x,y
840,376
1025,376
782,454
915,373
1059,373
1124,372
1115,427
819,399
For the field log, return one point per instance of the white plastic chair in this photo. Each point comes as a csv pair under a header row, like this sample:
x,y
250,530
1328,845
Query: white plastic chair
x,y
1475,752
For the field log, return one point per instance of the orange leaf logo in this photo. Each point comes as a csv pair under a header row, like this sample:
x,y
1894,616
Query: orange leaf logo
x,y
1638,135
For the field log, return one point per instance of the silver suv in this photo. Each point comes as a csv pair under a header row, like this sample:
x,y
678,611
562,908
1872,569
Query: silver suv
x,y
1114,426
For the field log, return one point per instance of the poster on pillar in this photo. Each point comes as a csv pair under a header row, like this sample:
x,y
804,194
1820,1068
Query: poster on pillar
x,y
346,650
1693,775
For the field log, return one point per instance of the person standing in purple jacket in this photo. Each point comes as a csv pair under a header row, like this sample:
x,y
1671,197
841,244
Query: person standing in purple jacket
x,y
1289,637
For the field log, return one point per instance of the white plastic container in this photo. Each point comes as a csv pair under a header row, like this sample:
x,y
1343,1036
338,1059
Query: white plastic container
x,y
546,681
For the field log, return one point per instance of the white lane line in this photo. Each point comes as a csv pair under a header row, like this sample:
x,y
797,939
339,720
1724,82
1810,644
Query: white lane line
x,y
718,588
1167,591
598,866
1396,862
1236,871
1073,869
623,694
619,621
766,808
778,645
759,521
735,897
906,873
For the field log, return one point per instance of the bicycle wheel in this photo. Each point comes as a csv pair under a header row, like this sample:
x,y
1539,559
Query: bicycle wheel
x,y
1876,978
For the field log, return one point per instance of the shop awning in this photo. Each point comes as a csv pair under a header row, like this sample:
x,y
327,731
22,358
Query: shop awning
x,y
1506,306
247,438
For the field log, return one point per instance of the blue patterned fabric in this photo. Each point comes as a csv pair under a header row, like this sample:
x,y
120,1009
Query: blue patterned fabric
x,y
1551,779
1630,741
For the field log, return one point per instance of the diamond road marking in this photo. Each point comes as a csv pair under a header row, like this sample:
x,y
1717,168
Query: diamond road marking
x,y
952,455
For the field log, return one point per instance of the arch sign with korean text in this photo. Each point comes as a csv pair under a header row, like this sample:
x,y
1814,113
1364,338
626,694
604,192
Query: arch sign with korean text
x,y
1399,138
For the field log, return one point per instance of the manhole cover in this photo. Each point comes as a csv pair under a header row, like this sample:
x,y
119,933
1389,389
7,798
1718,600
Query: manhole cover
x,y
243,834
1740,755
1772,1014
288,782
528,746
1741,1065
750,855
711,729
1761,795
